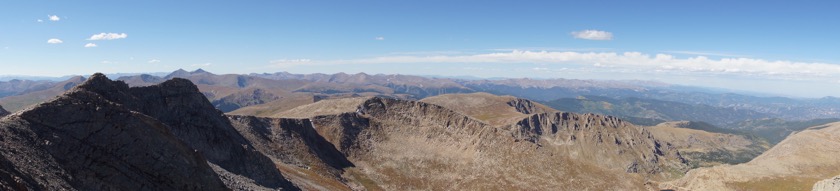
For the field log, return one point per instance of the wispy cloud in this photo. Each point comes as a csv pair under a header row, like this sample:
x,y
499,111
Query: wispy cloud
x,y
40,20
152,61
593,35
54,41
53,17
108,36
90,45
379,38
705,53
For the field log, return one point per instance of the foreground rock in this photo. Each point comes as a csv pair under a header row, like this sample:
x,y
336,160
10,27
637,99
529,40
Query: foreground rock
x,y
831,184
103,135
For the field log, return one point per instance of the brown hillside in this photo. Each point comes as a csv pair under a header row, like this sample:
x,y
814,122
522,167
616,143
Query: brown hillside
x,y
794,164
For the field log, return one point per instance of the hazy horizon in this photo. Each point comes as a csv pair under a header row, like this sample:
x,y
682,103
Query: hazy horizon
x,y
771,47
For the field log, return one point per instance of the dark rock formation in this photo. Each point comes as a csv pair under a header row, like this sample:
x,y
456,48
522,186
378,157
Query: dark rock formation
x,y
103,135
3,112
85,142
195,121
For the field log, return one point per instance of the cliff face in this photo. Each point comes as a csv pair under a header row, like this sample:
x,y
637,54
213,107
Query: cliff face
x,y
104,135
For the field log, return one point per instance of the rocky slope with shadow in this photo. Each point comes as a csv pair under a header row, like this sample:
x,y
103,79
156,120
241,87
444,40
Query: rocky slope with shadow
x,y
398,144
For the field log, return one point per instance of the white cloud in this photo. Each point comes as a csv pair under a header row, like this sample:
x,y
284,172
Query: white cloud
x,y
593,35
626,62
380,38
108,36
283,63
40,21
53,18
55,41
107,62
90,45
152,61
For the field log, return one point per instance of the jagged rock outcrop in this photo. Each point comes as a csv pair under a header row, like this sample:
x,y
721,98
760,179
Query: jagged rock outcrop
x,y
831,184
103,135
604,140
3,112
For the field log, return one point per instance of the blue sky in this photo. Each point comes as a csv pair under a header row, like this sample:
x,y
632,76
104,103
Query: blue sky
x,y
781,47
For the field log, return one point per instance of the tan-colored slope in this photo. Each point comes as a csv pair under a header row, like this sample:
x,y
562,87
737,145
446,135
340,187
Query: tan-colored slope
x,y
323,107
493,109
704,149
796,163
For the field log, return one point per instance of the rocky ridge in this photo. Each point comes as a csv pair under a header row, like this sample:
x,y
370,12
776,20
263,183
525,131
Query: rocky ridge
x,y
399,144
